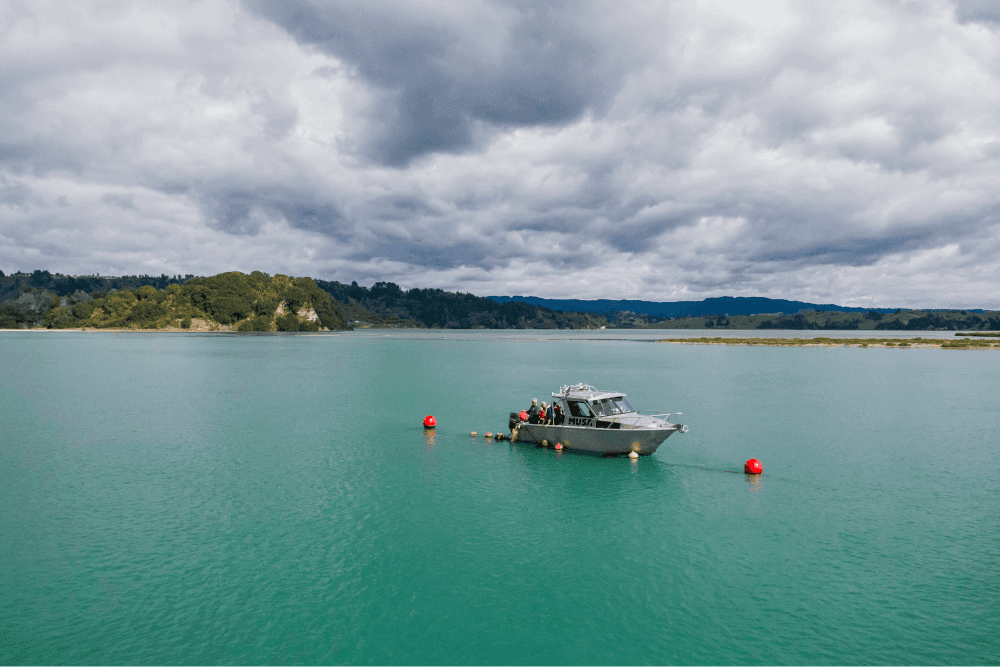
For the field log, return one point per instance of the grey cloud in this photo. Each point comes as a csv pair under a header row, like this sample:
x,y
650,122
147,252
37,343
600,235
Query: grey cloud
x,y
977,10
854,252
437,78
400,207
241,211
424,255
120,200
277,119
39,156
14,193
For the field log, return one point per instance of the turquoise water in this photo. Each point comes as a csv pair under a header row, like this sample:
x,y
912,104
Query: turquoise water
x,y
184,499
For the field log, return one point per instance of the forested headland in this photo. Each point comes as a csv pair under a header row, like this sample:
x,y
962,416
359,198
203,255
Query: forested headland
x,y
227,302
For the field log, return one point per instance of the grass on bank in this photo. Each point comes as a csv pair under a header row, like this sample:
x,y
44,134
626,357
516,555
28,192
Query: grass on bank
x,y
839,342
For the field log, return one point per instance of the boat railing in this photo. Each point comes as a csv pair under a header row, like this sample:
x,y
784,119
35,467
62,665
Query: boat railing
x,y
566,389
658,415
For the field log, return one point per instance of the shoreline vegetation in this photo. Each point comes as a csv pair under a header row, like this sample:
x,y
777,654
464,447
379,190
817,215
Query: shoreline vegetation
x,y
233,302
255,302
259,302
846,342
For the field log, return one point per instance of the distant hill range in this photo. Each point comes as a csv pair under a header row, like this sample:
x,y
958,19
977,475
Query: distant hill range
x,y
259,302
722,305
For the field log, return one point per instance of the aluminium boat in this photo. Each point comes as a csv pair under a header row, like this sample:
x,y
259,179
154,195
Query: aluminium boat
x,y
600,422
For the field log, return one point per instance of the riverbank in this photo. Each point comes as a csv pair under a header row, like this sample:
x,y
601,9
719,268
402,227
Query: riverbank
x,y
198,325
840,342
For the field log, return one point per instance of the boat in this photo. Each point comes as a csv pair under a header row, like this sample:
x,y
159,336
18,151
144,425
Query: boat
x,y
600,422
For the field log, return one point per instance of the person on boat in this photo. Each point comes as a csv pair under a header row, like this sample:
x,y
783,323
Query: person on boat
x,y
533,412
543,414
557,416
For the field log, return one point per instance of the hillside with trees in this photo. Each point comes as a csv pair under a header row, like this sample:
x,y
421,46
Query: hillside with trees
x,y
387,304
11,286
227,302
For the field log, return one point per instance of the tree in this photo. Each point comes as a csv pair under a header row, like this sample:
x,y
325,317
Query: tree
x,y
287,322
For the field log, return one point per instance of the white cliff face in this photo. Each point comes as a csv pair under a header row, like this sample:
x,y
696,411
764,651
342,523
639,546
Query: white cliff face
x,y
307,313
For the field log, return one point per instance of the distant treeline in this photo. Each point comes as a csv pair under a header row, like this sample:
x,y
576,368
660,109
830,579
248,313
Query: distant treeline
x,y
12,285
388,304
660,310
258,302
899,320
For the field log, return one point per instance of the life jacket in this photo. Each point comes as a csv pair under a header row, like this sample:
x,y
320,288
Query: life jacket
x,y
533,414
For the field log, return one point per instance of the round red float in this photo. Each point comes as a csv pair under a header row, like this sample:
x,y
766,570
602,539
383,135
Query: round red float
x,y
753,467
429,421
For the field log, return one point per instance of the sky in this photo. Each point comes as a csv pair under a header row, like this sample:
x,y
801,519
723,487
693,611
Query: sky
x,y
835,152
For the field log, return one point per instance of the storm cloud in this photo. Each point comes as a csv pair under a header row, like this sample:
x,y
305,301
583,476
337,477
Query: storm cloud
x,y
839,152
439,72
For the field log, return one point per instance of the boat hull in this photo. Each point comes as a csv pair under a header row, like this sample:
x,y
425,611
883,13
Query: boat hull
x,y
596,440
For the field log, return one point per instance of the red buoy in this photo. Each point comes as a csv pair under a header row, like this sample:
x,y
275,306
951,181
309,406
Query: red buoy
x,y
753,467
429,421
523,416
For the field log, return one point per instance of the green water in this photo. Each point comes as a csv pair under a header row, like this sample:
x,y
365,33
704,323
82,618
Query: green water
x,y
182,499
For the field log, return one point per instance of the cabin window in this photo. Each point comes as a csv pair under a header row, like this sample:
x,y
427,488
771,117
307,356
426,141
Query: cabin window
x,y
578,409
606,407
623,404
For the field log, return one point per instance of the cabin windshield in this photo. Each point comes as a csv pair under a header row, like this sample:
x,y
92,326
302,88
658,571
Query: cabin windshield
x,y
622,404
607,407
578,409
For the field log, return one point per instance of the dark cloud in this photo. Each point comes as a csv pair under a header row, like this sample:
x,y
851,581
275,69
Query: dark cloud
x,y
507,64
13,193
40,156
243,211
855,252
977,10
400,207
432,257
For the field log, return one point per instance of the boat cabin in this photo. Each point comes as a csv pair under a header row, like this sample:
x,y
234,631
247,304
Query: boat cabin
x,y
583,405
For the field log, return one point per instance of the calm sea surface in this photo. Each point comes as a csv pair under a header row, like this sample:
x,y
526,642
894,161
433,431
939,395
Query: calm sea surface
x,y
179,499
